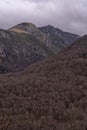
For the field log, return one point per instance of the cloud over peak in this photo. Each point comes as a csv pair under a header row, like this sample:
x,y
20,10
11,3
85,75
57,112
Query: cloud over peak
x,y
69,15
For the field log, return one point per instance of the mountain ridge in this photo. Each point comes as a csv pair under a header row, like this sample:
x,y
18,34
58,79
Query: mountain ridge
x,y
25,44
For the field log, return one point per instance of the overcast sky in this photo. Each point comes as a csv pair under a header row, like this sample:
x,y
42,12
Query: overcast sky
x,y
69,15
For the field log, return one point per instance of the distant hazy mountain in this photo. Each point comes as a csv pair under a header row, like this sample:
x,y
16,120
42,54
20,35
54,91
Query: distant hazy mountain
x,y
25,44
50,95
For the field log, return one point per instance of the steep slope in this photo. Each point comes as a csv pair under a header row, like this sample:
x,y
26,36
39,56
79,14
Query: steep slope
x,y
59,38
25,44
51,95
29,28
18,50
53,38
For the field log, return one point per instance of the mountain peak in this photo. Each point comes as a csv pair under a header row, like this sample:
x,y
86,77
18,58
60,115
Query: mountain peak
x,y
27,24
49,26
24,28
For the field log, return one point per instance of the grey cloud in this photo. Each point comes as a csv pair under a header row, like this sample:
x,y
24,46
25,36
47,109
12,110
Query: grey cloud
x,y
69,15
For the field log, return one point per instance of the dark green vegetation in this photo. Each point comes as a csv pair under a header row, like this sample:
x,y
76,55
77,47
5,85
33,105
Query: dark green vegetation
x,y
25,44
50,95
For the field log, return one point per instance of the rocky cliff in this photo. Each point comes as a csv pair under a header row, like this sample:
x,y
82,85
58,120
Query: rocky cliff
x,y
25,44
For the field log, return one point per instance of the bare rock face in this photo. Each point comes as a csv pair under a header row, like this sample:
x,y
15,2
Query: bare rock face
x,y
18,50
2,52
55,39
29,28
25,44
59,38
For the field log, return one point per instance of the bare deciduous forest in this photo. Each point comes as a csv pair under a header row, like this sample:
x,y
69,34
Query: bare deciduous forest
x,y
50,95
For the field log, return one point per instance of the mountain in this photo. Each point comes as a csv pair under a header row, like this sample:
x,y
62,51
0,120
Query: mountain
x,y
59,38
18,50
49,95
52,37
29,28
25,44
